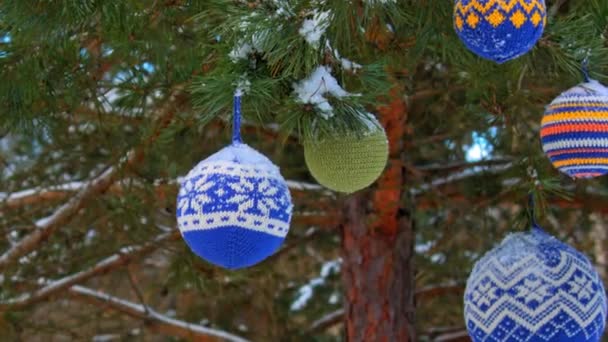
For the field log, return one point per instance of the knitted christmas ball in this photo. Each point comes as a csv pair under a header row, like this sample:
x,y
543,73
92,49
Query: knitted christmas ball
x,y
234,208
574,131
500,30
347,163
532,287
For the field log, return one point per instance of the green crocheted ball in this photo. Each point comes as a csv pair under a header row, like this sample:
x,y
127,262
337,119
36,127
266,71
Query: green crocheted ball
x,y
348,163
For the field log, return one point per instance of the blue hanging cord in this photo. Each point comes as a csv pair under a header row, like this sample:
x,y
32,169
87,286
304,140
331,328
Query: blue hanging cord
x,y
532,206
236,118
585,69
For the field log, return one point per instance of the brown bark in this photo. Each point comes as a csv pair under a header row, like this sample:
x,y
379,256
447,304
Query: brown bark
x,y
377,249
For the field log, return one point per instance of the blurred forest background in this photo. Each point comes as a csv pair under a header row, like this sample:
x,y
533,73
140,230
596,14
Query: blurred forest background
x,y
106,104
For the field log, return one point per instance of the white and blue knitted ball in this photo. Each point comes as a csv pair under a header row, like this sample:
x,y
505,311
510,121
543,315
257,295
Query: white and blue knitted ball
x,y
533,287
234,208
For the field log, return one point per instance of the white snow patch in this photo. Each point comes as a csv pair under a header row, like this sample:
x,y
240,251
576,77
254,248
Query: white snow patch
x,y
90,236
243,85
313,29
313,89
241,51
283,9
592,87
334,298
346,63
306,292
43,221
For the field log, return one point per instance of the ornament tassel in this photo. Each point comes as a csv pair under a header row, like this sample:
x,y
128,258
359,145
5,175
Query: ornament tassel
x,y
236,118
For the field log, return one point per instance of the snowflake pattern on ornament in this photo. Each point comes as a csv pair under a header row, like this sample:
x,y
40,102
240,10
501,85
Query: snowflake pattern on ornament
x,y
532,287
222,193
192,195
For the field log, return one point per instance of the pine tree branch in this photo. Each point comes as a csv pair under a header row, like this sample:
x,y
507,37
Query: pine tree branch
x,y
61,191
152,319
433,291
123,257
457,166
335,317
94,187
459,336
327,321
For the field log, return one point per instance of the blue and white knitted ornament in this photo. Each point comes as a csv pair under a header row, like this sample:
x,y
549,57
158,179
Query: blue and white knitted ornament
x,y
500,30
533,287
234,208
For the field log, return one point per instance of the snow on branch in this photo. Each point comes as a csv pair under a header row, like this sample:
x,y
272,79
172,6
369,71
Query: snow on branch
x,y
314,89
314,28
61,191
33,195
122,257
159,322
94,187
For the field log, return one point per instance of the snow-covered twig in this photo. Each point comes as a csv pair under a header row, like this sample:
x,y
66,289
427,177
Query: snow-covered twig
x,y
153,319
61,191
122,257
461,176
33,195
94,187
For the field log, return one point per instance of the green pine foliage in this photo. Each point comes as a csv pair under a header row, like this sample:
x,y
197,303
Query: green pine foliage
x,y
83,81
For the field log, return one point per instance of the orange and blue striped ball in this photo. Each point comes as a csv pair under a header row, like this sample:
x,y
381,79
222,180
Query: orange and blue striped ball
x,y
574,131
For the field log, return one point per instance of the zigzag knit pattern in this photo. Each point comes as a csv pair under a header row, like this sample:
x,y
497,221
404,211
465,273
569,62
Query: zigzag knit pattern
x,y
534,288
234,208
574,131
500,30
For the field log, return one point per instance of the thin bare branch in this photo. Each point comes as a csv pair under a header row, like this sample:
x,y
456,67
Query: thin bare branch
x,y
123,257
153,319
459,336
327,321
61,191
45,228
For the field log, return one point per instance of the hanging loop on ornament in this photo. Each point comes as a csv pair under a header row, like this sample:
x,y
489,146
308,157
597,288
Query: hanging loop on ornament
x,y
585,69
532,211
236,117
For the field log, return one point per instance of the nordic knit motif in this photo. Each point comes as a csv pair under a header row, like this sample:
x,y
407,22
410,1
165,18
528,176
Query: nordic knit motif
x,y
534,288
234,208
574,131
348,163
500,30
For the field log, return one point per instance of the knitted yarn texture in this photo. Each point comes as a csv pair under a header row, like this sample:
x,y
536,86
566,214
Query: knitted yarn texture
x,y
234,208
347,163
533,287
500,30
574,131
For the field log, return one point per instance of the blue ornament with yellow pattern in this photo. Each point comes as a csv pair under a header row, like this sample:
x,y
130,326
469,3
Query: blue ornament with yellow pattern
x,y
234,208
500,30
534,288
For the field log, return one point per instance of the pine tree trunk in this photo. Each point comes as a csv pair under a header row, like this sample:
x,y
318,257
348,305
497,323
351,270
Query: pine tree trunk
x,y
377,250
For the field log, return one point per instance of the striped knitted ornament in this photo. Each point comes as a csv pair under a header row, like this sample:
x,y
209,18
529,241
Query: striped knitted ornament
x,y
574,131
234,208
500,30
348,163
534,288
